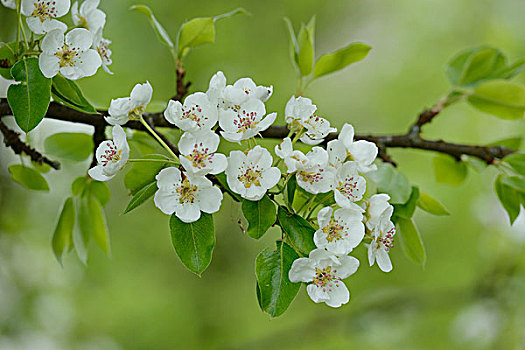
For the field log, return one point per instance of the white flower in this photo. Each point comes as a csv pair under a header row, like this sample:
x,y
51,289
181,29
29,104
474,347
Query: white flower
x,y
111,155
326,272
363,152
9,3
317,128
244,89
377,210
198,155
129,108
349,186
197,114
71,56
186,195
298,109
292,159
41,14
342,233
244,121
216,87
382,240
102,46
252,174
89,16
315,176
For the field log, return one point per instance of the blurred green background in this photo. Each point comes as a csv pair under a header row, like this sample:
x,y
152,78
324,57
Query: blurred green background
x,y
469,295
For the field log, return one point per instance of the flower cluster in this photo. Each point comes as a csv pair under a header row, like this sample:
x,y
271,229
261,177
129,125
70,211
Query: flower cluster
x,y
237,112
76,53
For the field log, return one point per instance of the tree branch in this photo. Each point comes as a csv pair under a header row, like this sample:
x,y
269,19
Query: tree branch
x,y
412,139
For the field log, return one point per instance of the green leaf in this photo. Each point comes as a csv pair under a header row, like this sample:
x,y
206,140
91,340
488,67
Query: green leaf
x,y
294,46
41,167
141,196
305,59
517,162
299,231
407,209
200,31
332,62
62,238
162,34
261,215
30,99
7,55
82,236
69,93
99,230
289,194
431,205
512,70
516,182
274,290
194,242
499,98
71,146
79,185
448,170
28,177
392,182
475,65
411,241
143,173
510,198
511,142
101,191
221,178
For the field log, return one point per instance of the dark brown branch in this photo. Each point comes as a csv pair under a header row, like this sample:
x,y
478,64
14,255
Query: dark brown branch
x,y
12,139
98,137
182,86
410,140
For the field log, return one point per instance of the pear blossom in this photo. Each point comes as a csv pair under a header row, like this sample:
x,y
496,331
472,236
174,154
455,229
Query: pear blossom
x,y
245,89
71,56
317,128
9,4
41,14
382,240
349,186
196,115
326,272
298,109
111,156
216,88
292,158
340,234
186,195
130,108
88,16
315,176
363,152
197,153
244,121
377,210
102,46
251,174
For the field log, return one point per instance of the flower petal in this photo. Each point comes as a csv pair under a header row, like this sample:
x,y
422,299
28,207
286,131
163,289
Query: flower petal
x,y
302,270
141,95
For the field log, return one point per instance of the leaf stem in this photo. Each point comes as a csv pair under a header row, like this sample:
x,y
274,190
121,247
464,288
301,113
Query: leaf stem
x,y
153,160
158,138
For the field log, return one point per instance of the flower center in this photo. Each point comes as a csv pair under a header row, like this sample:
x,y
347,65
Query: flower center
x,y
103,50
111,154
334,231
311,177
191,114
67,56
348,187
246,121
186,191
388,239
200,157
136,112
250,177
326,278
44,10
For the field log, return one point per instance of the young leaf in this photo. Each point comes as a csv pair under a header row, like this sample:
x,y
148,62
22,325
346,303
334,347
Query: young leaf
x,y
99,230
517,162
41,167
141,196
101,191
143,173
162,35
407,209
71,146
289,194
298,230
63,235
448,170
69,93
392,182
30,99
516,182
411,241
79,185
480,64
294,46
510,198
194,242
7,55
511,142
28,177
431,205
332,62
82,235
306,50
261,215
499,98
274,290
